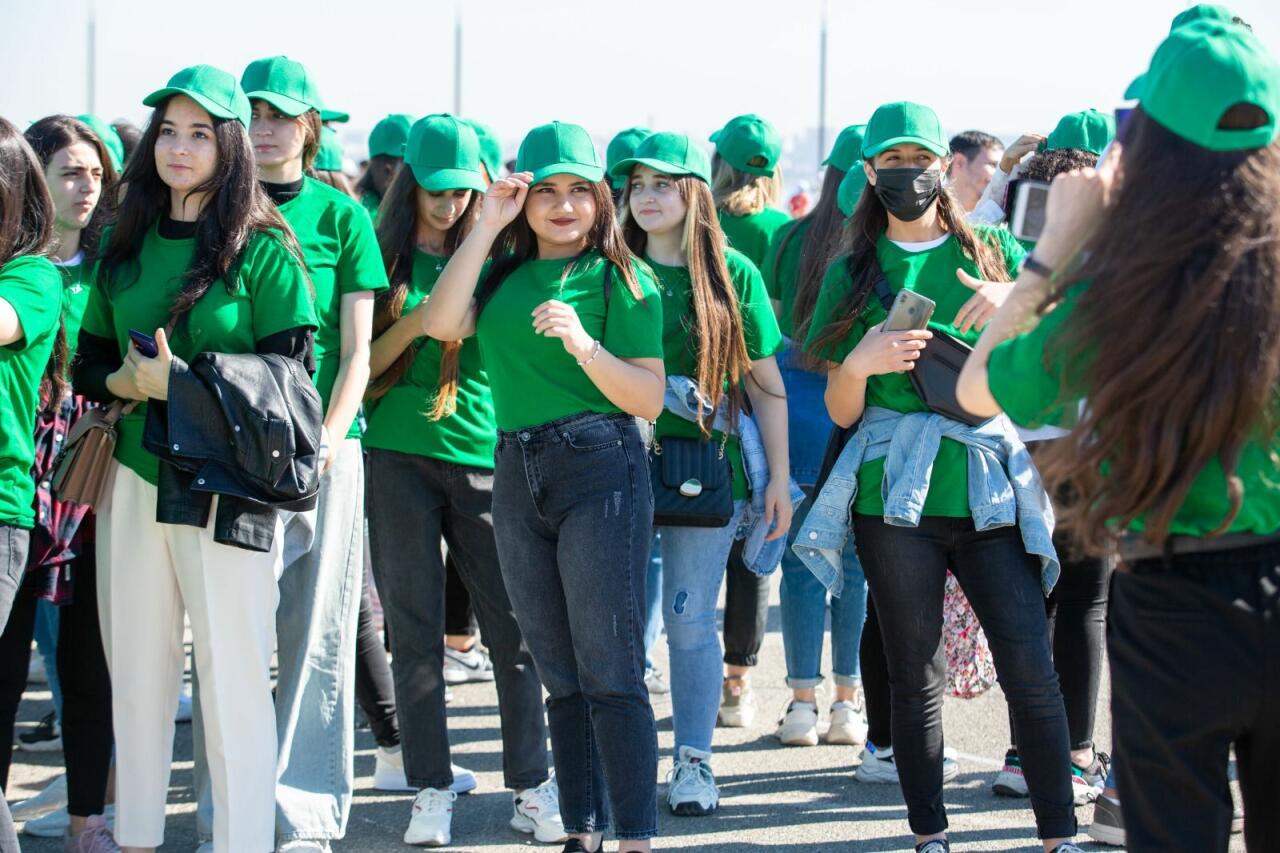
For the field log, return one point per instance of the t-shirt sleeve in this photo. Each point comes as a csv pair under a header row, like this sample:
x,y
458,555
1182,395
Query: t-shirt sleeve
x,y
831,296
278,284
97,319
1025,374
1013,251
759,326
360,265
633,327
33,287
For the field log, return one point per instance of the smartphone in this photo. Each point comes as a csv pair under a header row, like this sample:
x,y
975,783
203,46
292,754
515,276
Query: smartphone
x,y
910,310
145,343
1026,215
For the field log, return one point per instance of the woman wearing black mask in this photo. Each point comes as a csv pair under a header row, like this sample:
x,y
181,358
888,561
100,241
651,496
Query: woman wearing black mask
x,y
913,517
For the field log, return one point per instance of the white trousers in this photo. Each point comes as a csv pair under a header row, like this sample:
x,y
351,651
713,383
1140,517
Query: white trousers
x,y
148,574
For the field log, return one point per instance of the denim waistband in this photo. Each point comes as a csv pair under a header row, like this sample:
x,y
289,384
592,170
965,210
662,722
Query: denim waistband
x,y
555,432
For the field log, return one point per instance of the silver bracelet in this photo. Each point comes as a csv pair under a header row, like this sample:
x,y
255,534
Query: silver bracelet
x,y
595,351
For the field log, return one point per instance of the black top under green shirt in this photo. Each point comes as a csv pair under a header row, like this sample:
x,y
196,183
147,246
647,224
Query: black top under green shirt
x,y
341,251
931,273
1030,381
271,295
759,329
398,419
33,288
534,379
781,266
751,234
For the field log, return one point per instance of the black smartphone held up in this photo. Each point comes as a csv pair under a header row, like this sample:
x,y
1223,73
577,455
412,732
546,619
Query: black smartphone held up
x,y
144,343
1026,213
910,310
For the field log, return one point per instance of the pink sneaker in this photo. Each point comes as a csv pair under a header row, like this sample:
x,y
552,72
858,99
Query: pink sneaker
x,y
94,838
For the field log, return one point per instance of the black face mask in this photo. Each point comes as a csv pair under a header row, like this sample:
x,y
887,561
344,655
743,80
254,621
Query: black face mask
x,y
907,193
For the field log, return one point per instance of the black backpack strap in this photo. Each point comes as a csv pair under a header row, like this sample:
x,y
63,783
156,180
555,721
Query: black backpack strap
x,y
881,286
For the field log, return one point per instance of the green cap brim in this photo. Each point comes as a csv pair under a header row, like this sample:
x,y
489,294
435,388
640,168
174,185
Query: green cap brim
x,y
209,106
623,168
936,148
335,116
291,107
715,136
1134,92
594,174
440,180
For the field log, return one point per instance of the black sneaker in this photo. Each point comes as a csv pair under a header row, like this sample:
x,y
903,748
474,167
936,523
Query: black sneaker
x,y
575,845
45,737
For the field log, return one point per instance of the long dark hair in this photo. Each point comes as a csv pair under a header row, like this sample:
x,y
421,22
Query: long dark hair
x,y
237,210
398,240
1176,340
53,133
517,243
26,228
868,223
821,241
714,334
366,186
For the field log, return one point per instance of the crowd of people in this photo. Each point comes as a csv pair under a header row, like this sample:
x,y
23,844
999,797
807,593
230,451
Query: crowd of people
x,y
547,410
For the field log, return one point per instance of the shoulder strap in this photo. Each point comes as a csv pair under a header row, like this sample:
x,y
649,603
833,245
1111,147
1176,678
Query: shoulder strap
x,y
881,286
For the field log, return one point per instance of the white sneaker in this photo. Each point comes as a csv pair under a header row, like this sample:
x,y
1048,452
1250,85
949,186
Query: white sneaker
x,y
471,665
431,820
388,773
799,725
878,765
691,786
737,704
52,798
655,683
537,810
56,823
305,845
848,723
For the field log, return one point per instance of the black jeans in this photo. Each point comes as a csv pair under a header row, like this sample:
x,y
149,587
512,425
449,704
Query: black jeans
x,y
413,502
87,739
746,610
1077,611
374,691
1195,668
459,615
906,569
573,513
875,679
14,542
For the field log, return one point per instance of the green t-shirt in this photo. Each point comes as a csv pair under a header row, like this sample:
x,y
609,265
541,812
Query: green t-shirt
x,y
1030,381
371,203
75,296
781,266
33,287
751,234
342,257
272,295
759,330
398,420
534,379
931,273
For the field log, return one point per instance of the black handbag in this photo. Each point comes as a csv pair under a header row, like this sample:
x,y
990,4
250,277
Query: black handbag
x,y
692,483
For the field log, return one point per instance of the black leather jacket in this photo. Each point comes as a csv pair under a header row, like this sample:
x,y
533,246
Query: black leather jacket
x,y
245,427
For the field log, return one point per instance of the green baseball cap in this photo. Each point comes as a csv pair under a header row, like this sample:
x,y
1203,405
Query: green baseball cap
x,y
559,148
715,136
622,146
216,91
1087,130
903,121
444,153
283,83
750,144
668,153
1198,12
389,136
329,157
490,147
850,189
848,148
110,139
1202,70
335,116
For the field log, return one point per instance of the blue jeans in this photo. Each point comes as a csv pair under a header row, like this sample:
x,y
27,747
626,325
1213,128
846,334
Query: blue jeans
x,y
693,561
804,617
653,602
46,637
808,425
573,520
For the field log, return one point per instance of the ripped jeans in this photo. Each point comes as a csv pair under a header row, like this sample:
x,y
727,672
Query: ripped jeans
x,y
693,561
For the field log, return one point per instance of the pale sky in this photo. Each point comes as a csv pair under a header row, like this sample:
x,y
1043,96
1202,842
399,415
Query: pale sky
x,y
684,65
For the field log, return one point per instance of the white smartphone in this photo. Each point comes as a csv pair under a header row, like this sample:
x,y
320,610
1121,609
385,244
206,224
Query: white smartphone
x,y
1026,221
910,311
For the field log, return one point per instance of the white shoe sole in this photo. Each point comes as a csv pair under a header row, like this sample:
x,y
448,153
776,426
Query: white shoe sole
x,y
527,825
460,675
41,804
1010,785
798,735
1111,835
847,735
736,718
876,776
440,839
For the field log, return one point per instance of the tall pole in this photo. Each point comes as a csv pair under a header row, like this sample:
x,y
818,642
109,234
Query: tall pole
x,y
91,55
822,87
457,62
